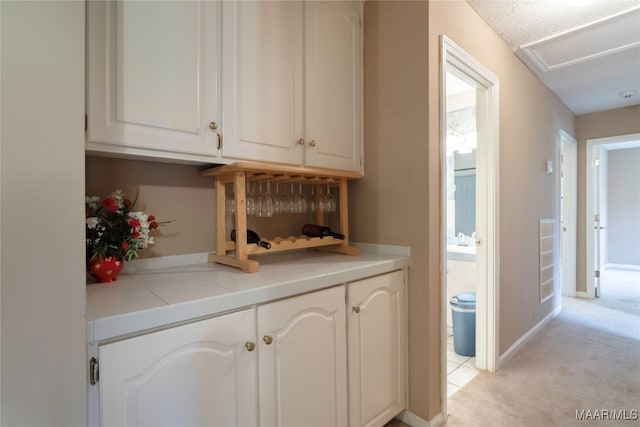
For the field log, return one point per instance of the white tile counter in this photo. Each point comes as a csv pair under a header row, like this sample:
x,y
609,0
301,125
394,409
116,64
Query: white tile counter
x,y
155,298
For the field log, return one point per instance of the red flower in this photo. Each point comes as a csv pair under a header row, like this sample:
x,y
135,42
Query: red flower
x,y
152,218
153,225
135,234
125,246
134,222
127,203
110,204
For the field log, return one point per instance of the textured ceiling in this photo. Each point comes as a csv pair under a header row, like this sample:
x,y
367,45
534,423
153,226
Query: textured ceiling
x,y
585,82
525,21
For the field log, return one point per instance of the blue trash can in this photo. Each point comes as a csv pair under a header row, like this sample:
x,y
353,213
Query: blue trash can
x,y
463,313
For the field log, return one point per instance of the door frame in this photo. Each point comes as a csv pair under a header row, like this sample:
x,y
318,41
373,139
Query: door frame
x,y
487,261
568,184
592,147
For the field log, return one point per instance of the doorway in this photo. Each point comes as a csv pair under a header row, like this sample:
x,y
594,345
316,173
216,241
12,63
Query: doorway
x,y
599,228
469,139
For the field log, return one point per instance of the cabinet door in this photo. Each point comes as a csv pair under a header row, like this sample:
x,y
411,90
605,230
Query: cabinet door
x,y
303,378
152,77
193,375
262,80
377,349
333,92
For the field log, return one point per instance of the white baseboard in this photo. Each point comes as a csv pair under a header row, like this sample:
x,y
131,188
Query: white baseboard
x,y
632,267
527,336
415,421
581,294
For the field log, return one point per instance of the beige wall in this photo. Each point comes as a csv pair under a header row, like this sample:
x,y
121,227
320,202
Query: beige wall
x,y
621,121
531,117
166,191
391,204
44,379
623,207
398,202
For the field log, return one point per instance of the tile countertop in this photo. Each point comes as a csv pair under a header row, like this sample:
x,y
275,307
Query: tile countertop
x,y
147,299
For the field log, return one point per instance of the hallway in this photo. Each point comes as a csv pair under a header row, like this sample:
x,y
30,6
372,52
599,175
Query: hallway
x,y
586,361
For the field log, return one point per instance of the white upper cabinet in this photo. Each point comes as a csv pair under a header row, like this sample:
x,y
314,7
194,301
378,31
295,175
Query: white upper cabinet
x,y
292,82
152,79
261,80
333,85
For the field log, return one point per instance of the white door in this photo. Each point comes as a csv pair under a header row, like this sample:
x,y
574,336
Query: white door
x,y
302,372
262,80
377,349
199,374
600,217
568,211
152,75
333,90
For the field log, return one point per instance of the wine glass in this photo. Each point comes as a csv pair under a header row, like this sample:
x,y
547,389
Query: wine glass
x,y
330,201
291,201
301,203
251,200
230,203
260,201
313,203
267,202
277,201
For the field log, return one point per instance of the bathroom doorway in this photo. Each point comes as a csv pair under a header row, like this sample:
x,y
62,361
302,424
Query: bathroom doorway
x,y
469,175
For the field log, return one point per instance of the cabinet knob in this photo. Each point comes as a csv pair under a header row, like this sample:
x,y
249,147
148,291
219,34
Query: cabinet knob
x,y
213,126
356,309
312,143
300,141
268,339
250,345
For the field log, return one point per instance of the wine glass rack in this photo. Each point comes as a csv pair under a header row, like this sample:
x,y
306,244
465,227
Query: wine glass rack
x,y
236,254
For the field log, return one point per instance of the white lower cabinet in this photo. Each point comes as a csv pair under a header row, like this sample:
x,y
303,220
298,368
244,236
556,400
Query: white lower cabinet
x,y
282,363
303,360
199,374
377,349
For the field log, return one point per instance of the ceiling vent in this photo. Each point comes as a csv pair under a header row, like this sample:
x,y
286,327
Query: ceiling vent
x,y
605,37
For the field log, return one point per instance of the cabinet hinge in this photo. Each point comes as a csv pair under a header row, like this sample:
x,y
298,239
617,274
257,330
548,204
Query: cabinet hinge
x,y
219,141
94,371
597,273
86,122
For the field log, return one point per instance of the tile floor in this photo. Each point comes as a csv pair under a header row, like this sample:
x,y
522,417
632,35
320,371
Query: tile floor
x,y
460,369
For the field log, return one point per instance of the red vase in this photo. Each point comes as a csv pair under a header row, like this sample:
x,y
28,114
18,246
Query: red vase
x,y
105,270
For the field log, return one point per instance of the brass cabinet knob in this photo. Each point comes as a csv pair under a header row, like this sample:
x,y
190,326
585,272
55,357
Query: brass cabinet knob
x,y
356,309
250,345
213,126
312,143
268,339
300,141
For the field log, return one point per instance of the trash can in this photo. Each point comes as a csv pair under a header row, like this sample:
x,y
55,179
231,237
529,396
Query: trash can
x,y
463,314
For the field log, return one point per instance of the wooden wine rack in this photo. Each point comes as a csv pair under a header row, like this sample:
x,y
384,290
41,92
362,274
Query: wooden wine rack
x,y
236,254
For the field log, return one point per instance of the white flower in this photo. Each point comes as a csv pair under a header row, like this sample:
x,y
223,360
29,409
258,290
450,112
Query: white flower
x,y
92,222
92,202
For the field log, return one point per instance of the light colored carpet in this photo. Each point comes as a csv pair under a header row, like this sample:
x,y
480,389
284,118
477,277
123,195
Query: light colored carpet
x,y
587,358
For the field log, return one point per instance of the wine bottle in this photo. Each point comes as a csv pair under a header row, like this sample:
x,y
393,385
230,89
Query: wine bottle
x,y
313,230
252,237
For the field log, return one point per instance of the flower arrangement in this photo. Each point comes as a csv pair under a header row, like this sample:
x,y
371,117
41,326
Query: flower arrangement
x,y
113,229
